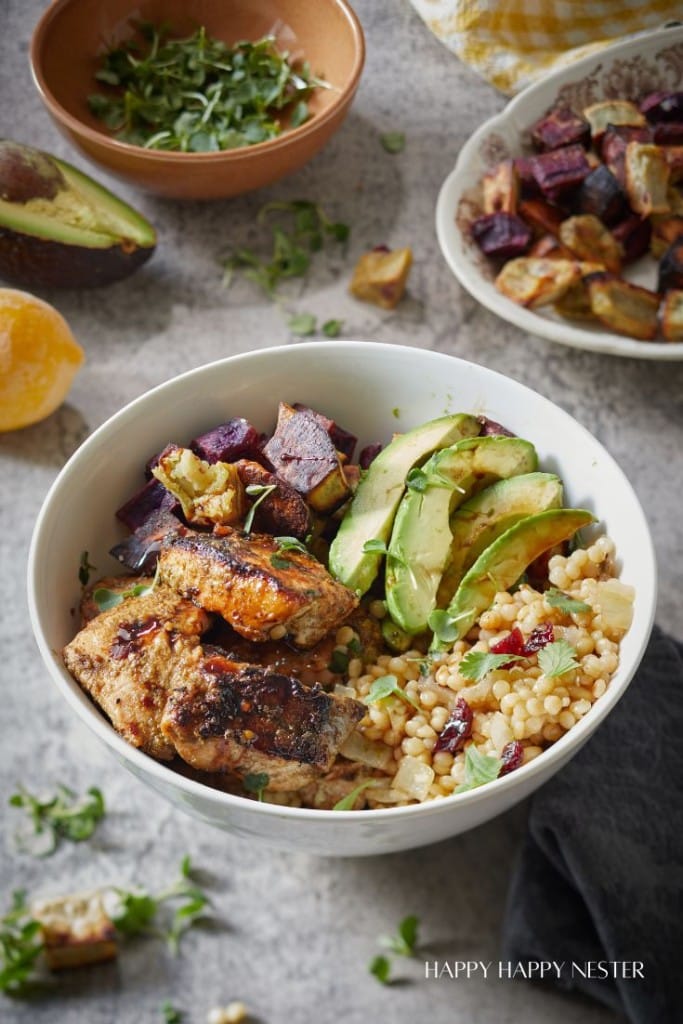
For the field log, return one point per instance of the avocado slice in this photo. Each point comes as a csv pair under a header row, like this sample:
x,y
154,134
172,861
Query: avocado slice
x,y
501,564
60,228
421,539
371,513
479,521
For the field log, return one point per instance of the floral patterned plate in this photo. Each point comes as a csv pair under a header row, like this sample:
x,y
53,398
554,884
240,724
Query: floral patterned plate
x,y
627,70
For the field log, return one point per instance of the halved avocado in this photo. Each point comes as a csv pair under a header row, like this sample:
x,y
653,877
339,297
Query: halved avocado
x,y
479,521
501,564
421,538
60,228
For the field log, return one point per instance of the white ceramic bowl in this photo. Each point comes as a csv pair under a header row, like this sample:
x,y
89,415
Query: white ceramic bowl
x,y
628,69
359,384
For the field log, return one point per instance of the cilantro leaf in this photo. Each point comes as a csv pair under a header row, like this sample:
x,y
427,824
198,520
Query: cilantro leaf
x,y
292,544
445,626
387,686
339,662
256,782
393,142
558,599
20,945
477,664
106,599
479,769
85,567
557,658
346,803
62,816
260,492
405,940
332,328
380,968
375,547
302,324
278,562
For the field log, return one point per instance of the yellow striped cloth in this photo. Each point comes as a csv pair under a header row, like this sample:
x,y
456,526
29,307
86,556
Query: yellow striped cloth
x,y
513,42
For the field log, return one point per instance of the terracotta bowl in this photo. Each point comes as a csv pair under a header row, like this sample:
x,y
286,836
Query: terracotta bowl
x,y
72,35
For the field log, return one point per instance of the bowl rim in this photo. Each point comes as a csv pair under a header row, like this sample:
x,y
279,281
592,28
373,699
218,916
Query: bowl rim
x,y
102,138
454,188
145,765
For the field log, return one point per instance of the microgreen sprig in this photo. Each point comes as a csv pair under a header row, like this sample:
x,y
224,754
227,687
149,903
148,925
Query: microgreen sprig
x,y
20,945
256,783
138,911
387,686
260,492
62,816
479,769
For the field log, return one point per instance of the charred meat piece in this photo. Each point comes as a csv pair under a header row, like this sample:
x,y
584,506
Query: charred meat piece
x,y
256,586
501,234
283,512
236,439
560,170
128,658
633,235
602,195
244,719
303,455
560,127
308,666
152,497
663,106
343,440
140,551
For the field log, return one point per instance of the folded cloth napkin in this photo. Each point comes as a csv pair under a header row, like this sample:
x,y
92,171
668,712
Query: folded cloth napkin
x,y
513,42
600,877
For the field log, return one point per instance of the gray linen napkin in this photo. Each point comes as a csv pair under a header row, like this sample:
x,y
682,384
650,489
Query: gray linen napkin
x,y
600,875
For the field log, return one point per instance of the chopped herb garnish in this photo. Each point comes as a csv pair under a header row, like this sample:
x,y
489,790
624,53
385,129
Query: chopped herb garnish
x,y
393,142
332,328
62,816
339,662
302,324
346,803
292,544
404,942
445,626
375,547
354,645
256,783
396,412
197,94
278,562
85,567
418,480
138,911
106,599
557,658
170,1014
380,967
387,686
477,664
479,769
260,492
20,945
558,599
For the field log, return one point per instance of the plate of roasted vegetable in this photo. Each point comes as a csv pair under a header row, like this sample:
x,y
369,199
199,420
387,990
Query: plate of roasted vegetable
x,y
309,591
564,213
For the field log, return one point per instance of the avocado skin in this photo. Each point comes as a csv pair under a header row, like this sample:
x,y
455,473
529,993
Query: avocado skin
x,y
504,561
421,538
41,263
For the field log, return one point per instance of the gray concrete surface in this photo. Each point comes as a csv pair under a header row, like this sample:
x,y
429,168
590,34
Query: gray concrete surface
x,y
292,935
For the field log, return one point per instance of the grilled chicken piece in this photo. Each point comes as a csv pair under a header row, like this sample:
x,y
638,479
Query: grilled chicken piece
x,y
90,609
276,655
129,658
245,719
255,585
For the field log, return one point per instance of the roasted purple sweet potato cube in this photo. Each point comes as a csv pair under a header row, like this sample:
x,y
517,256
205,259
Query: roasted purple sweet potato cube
x,y
140,551
668,133
663,106
150,498
543,218
235,439
602,195
501,234
490,428
613,146
560,127
560,171
369,454
343,440
633,234
528,186
670,276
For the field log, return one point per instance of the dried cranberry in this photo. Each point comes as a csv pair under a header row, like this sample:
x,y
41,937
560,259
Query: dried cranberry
x,y
456,730
540,636
513,643
512,757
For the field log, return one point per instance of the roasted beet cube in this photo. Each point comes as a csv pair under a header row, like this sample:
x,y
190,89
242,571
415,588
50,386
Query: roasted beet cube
x,y
369,454
542,217
614,143
602,195
236,439
668,133
344,441
560,170
150,498
489,428
663,106
560,127
501,234
671,268
633,234
140,551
